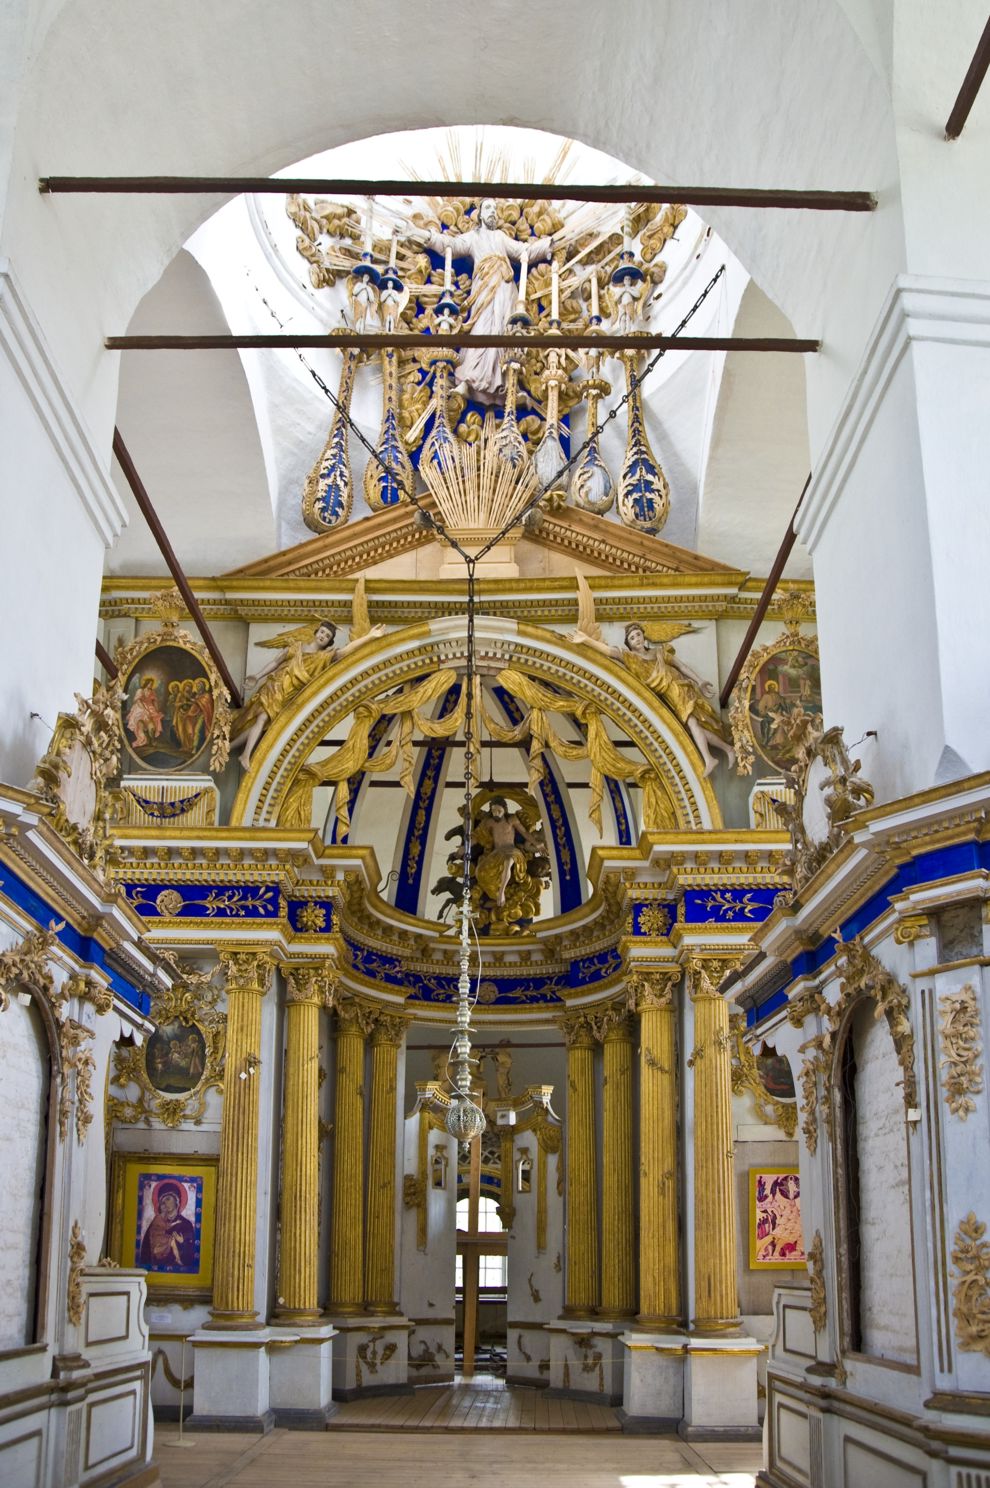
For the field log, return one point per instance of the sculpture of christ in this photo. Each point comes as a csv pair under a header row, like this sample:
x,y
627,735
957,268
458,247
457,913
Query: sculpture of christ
x,y
493,293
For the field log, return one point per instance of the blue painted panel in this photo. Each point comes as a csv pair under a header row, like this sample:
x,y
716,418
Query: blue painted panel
x,y
732,906
414,858
82,946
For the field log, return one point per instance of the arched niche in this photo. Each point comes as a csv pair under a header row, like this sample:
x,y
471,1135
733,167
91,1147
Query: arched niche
x,y
29,1034
406,655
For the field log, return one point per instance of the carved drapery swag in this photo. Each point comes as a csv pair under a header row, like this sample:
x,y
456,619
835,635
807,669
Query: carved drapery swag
x,y
659,813
411,710
863,975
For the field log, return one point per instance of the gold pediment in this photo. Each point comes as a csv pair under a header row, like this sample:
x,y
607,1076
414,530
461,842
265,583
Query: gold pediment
x,y
580,535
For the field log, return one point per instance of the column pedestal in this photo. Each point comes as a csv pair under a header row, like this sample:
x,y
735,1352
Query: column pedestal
x,y
720,1390
652,1381
231,1390
301,1376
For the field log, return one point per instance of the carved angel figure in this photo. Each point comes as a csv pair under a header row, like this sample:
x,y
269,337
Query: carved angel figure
x,y
657,667
303,654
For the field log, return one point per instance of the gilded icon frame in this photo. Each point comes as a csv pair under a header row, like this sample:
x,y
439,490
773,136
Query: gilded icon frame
x,y
792,1263
197,1173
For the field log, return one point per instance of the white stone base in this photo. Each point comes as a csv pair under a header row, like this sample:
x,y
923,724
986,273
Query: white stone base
x,y
370,1356
528,1355
430,1353
653,1380
301,1376
720,1388
231,1389
586,1360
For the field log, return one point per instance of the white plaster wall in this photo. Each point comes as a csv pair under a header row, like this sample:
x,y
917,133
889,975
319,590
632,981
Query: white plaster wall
x,y
23,1134
52,565
887,1318
875,601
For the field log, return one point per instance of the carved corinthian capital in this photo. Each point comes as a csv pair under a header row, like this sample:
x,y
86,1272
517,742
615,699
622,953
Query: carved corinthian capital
x,y
651,987
310,984
247,971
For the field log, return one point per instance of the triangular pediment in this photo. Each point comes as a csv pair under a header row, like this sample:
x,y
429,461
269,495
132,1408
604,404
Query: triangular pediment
x,y
589,540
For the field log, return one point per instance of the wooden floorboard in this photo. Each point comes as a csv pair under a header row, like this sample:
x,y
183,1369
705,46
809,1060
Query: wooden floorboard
x,y
524,1459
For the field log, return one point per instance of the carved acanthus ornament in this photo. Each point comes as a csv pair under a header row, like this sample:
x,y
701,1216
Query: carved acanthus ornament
x,y
863,975
27,964
959,1035
818,1311
77,1060
746,1076
843,792
247,971
74,1302
578,1030
971,1286
652,987
308,984
86,990
73,775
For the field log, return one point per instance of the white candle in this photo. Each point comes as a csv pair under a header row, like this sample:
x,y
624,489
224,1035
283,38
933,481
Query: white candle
x,y
627,233
555,290
394,247
523,273
594,292
369,222
447,255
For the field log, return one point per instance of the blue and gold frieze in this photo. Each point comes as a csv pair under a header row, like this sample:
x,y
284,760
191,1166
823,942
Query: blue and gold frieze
x,y
254,901
725,906
377,966
587,970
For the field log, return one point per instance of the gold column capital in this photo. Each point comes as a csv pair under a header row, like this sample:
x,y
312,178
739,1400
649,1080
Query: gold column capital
x,y
248,970
652,988
578,1030
613,1025
309,984
354,1016
389,1028
705,974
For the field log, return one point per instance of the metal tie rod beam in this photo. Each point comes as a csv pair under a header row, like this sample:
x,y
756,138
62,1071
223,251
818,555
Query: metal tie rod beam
x,y
688,196
371,341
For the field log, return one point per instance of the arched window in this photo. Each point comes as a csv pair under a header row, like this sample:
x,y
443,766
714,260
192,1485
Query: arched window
x,y
875,1259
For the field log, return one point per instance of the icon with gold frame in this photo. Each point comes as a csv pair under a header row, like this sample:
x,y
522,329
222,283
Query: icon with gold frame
x,y
163,1218
776,707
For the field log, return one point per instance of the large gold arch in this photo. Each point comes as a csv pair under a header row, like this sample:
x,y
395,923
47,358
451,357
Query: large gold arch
x,y
396,659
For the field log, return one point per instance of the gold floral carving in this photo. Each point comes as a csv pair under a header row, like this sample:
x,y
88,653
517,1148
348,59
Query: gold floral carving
x,y
192,1002
77,1260
311,984
27,964
77,1060
818,1311
652,987
959,1035
971,1286
86,990
746,1077
843,792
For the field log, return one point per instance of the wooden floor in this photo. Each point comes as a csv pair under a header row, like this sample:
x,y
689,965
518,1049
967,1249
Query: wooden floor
x,y
316,1459
484,1403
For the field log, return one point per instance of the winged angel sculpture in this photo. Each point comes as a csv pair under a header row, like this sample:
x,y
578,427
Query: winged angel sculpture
x,y
657,667
303,654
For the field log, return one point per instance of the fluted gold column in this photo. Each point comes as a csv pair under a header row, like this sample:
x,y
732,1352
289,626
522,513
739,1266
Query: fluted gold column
x,y
581,1181
716,1292
659,1252
248,975
308,990
347,1219
379,1255
618,1295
